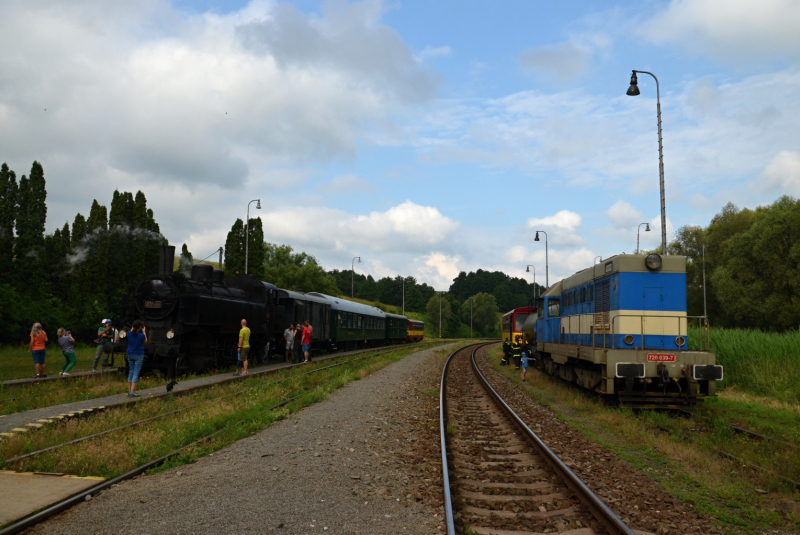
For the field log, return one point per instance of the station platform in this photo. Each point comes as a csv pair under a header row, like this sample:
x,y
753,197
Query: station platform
x,y
22,493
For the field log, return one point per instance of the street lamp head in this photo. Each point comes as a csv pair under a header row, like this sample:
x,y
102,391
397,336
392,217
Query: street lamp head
x,y
258,205
647,228
633,90
537,236
528,269
359,259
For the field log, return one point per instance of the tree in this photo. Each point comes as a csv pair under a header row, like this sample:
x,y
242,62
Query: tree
x,y
78,231
435,304
510,292
8,215
234,249
30,222
295,271
255,262
185,262
483,309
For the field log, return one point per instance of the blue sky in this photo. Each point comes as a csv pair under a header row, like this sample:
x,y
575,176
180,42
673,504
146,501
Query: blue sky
x,y
428,137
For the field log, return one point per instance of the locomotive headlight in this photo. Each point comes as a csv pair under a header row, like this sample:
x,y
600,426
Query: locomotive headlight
x,y
170,334
653,262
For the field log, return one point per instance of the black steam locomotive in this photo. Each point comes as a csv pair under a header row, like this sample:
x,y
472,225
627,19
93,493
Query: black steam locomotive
x,y
193,322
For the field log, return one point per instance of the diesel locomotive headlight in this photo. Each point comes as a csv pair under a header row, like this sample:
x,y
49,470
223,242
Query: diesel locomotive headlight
x,y
170,335
653,262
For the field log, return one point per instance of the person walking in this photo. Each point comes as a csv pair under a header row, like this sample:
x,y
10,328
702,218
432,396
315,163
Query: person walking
x,y
288,336
306,340
244,347
37,349
524,361
67,343
105,334
137,338
298,341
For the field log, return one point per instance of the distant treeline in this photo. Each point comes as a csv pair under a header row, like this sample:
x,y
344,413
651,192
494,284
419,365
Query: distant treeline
x,y
752,264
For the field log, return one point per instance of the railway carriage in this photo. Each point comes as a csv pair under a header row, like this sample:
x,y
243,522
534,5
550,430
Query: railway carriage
x,y
396,328
514,322
416,331
299,307
620,329
353,324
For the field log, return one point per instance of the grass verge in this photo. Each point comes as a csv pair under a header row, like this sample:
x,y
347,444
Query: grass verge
x,y
237,409
765,364
681,453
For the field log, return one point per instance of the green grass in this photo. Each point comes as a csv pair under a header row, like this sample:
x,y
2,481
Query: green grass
x,y
17,363
765,364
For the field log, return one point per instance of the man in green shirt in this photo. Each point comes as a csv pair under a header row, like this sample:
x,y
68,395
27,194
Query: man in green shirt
x,y
244,347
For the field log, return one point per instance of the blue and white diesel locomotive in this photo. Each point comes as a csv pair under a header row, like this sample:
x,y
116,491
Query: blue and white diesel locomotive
x,y
620,328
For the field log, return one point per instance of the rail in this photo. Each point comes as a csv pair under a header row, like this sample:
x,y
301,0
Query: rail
x,y
596,506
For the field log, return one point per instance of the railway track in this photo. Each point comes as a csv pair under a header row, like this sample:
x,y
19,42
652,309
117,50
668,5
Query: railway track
x,y
500,478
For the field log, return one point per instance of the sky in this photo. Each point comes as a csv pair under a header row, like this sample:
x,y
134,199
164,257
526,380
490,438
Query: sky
x,y
428,138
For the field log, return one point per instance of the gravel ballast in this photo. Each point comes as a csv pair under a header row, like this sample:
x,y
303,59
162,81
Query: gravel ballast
x,y
349,464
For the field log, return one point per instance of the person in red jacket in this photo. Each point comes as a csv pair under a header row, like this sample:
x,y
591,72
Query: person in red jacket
x,y
307,331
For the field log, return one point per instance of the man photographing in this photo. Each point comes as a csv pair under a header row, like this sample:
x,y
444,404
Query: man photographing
x,y
105,334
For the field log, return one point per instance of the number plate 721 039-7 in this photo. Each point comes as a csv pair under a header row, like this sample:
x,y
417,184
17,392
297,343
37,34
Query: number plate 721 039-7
x,y
660,357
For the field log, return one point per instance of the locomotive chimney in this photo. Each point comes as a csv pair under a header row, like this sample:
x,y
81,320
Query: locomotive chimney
x,y
166,260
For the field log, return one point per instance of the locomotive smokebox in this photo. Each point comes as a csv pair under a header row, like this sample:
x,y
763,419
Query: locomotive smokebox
x,y
166,260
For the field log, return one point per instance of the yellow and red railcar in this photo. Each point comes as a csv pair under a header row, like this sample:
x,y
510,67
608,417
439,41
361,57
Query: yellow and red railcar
x,y
514,321
416,330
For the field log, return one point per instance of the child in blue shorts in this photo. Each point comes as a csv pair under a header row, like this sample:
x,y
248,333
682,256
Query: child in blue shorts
x,y
524,362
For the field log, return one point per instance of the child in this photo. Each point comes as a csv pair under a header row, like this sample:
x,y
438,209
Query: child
x,y
524,361
67,343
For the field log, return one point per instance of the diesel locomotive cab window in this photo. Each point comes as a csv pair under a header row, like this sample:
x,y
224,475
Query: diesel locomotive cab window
x,y
554,307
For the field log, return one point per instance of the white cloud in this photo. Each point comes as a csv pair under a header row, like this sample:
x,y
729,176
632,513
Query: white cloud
x,y
563,61
406,227
345,184
432,52
152,92
732,30
782,175
564,220
623,215
438,268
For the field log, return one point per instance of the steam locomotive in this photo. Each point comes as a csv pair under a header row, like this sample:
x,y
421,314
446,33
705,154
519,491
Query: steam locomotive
x,y
193,322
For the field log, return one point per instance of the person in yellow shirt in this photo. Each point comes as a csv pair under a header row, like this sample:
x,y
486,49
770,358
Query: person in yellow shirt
x,y
244,347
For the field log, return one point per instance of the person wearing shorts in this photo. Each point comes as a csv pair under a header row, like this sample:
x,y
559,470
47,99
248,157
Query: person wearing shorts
x,y
306,340
137,338
37,349
67,343
524,363
244,347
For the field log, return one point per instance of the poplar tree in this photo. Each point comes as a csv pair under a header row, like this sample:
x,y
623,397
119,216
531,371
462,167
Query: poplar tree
x,y
186,261
234,249
78,232
255,263
31,217
8,215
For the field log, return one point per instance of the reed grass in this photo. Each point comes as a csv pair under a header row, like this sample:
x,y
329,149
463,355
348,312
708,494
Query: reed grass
x,y
766,364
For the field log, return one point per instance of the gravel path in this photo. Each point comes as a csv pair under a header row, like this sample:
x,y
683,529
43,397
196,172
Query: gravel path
x,y
350,464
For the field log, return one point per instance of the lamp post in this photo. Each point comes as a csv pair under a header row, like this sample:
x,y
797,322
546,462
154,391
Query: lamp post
x,y
705,310
247,232
528,270
404,296
647,229
595,259
546,259
440,314
353,275
633,90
